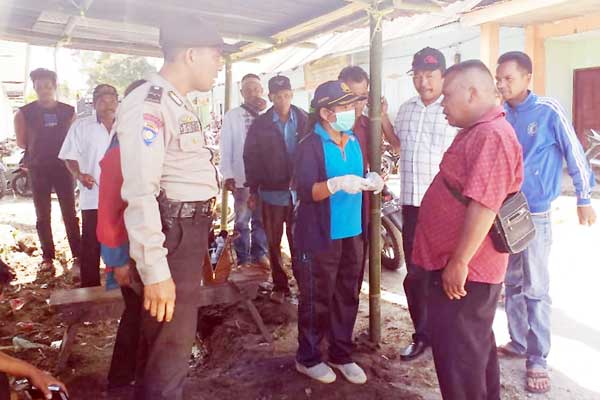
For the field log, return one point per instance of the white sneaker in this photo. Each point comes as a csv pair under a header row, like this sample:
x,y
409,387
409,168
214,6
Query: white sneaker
x,y
352,372
320,372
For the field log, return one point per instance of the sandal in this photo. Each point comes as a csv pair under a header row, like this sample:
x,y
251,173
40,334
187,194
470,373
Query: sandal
x,y
538,381
507,350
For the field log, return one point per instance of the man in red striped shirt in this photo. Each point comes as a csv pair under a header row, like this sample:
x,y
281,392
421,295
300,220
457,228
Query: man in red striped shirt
x,y
485,164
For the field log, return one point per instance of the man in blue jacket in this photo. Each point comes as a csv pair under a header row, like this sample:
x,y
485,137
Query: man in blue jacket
x,y
547,137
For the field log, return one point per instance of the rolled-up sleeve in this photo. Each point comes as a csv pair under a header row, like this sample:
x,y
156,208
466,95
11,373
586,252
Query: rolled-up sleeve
x,y
141,132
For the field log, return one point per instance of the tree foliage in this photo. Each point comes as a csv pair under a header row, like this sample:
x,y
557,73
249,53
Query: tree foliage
x,y
115,69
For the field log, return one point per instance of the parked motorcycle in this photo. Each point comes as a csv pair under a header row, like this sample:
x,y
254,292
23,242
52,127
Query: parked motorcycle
x,y
19,180
389,160
392,254
593,152
14,178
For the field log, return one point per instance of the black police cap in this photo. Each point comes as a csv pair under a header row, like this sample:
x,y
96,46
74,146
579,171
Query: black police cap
x,y
189,32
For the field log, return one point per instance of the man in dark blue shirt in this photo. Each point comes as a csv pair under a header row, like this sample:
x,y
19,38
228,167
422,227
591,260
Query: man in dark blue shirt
x,y
268,160
41,128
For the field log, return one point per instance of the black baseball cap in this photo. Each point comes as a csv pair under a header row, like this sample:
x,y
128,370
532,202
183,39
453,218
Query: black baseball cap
x,y
333,93
103,89
189,32
278,83
428,59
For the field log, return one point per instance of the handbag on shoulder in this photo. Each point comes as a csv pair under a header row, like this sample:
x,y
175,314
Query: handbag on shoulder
x,y
513,227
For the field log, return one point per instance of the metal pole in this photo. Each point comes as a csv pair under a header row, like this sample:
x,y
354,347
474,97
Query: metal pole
x,y
375,58
224,192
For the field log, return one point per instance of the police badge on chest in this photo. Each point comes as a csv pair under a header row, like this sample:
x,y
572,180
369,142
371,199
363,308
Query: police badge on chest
x,y
189,124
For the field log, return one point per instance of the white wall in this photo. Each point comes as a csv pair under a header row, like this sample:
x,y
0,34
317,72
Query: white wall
x,y
7,128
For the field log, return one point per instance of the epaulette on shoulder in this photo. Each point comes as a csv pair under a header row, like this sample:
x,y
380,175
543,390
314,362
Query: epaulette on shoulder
x,y
154,94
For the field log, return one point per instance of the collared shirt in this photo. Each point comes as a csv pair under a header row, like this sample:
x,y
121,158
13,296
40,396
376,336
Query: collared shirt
x,y
236,123
346,208
86,143
485,163
288,130
424,135
162,147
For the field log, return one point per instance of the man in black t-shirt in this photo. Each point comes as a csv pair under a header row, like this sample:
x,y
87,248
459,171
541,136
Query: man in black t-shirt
x,y
41,127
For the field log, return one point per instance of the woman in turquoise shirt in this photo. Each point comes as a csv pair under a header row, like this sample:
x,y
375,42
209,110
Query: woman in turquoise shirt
x,y
328,234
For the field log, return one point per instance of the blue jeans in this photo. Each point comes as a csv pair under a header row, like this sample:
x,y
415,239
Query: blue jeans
x,y
252,242
528,304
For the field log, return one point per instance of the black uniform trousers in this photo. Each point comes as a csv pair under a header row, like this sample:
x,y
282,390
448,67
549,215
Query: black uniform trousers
x,y
463,342
124,357
90,249
43,180
165,347
416,282
274,217
329,294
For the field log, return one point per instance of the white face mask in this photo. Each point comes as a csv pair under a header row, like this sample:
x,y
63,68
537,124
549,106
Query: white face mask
x,y
344,120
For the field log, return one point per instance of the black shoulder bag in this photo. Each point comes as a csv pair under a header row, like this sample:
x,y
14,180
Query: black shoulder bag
x,y
513,227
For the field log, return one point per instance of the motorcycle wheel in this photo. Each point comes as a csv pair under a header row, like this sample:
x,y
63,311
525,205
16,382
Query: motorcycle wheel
x,y
592,156
21,185
392,255
3,184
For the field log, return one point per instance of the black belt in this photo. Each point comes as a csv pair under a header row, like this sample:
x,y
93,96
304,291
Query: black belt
x,y
186,209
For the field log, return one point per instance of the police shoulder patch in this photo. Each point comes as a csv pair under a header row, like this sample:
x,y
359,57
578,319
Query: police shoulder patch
x,y
152,125
154,94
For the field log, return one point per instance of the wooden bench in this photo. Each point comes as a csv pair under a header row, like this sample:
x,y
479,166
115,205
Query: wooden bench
x,y
96,303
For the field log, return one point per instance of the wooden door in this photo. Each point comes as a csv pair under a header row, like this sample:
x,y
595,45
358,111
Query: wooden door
x,y
586,101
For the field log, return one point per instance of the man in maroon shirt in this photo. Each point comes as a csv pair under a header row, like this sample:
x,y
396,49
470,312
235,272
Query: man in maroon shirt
x,y
485,164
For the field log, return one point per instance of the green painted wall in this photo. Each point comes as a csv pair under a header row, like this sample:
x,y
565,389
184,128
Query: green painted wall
x,y
562,58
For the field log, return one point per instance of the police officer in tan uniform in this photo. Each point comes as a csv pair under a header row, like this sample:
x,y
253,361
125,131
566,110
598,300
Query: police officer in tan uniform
x,y
170,184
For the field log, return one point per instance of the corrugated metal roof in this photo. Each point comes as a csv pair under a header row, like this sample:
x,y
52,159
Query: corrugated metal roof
x,y
131,26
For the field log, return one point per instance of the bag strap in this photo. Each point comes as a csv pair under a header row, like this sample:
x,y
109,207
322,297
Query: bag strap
x,y
456,193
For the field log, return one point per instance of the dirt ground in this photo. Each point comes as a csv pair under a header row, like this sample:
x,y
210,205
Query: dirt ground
x,y
231,360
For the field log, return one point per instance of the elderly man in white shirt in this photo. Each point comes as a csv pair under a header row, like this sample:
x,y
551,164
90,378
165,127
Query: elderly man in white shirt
x,y
83,148
251,245
423,135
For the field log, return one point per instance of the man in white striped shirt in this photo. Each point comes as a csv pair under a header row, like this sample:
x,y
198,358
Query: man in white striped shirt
x,y
251,244
547,137
423,135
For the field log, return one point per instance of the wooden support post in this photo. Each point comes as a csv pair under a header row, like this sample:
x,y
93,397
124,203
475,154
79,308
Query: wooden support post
x,y
536,49
66,346
376,61
225,192
490,44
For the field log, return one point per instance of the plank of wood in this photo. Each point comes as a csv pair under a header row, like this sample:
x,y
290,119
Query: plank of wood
x,y
207,295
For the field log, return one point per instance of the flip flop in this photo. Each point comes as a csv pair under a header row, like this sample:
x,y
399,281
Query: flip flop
x,y
534,376
508,351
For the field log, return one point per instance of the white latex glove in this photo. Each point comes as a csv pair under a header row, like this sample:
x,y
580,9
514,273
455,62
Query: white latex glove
x,y
376,182
348,183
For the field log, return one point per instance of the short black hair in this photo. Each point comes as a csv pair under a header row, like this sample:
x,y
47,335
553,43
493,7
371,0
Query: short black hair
x,y
43,73
250,76
467,65
353,73
133,85
102,89
522,60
